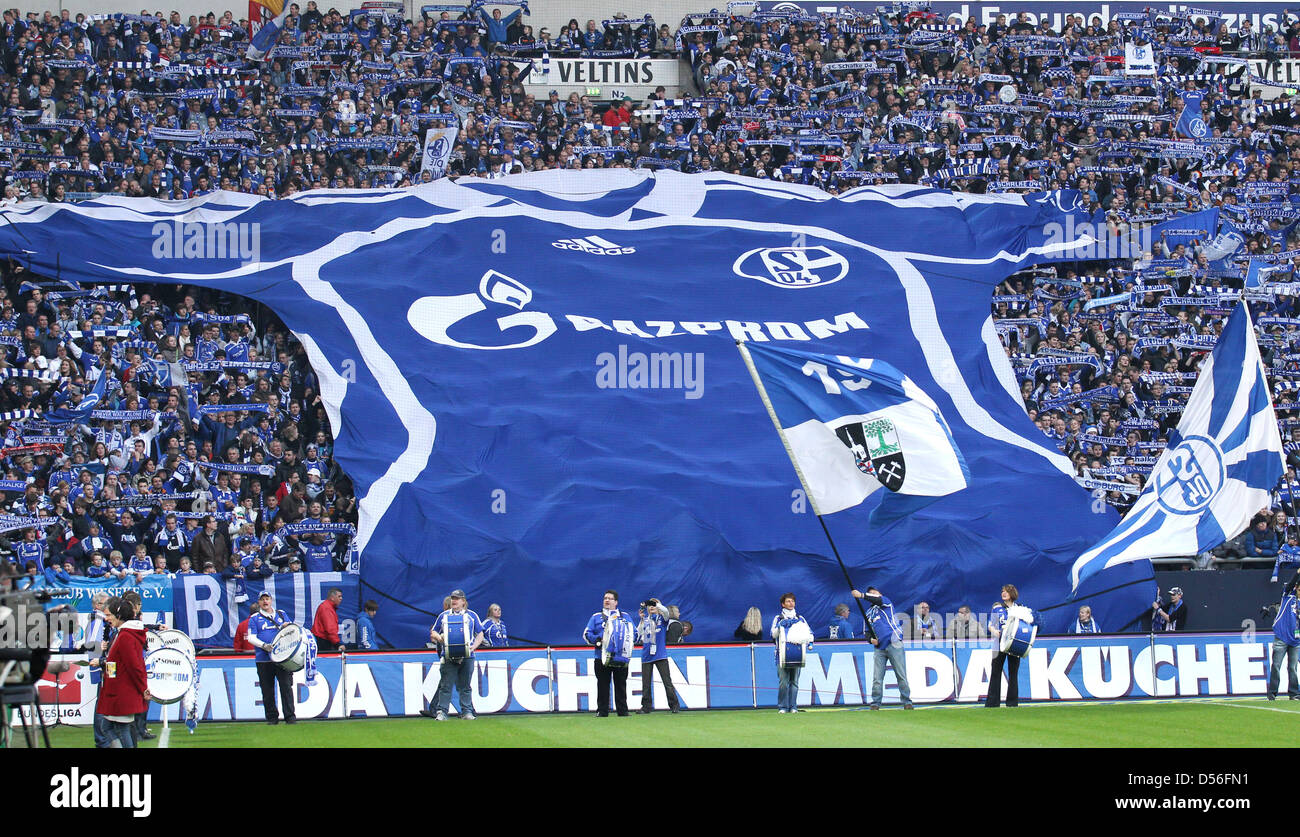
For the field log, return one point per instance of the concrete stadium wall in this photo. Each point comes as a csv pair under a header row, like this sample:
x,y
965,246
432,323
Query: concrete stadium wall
x,y
1225,600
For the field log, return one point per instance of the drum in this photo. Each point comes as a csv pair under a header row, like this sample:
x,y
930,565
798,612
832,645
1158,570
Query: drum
x,y
792,644
169,674
456,640
169,638
1017,637
288,649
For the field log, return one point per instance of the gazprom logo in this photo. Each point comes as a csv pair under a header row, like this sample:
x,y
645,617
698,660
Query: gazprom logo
x,y
792,267
1192,476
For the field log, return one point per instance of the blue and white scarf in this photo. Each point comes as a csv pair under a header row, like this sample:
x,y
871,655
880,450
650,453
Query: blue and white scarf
x,y
616,641
213,409
309,672
240,468
313,527
122,415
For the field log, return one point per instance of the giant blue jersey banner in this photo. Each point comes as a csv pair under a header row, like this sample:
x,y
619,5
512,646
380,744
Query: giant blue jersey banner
x,y
534,385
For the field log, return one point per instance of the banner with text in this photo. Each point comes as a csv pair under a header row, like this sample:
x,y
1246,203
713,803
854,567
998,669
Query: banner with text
x,y
401,683
635,77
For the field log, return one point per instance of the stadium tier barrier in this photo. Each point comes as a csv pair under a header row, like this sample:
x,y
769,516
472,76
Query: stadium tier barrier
x,y
733,676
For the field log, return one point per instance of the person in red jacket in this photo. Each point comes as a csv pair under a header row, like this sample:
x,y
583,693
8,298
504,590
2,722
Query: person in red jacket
x,y
124,691
616,116
241,642
326,625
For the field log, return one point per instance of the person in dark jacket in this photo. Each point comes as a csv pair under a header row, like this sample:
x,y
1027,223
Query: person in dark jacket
x,y
1261,540
124,692
1174,618
211,545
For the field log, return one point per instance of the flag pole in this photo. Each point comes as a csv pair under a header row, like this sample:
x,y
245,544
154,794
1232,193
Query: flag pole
x,y
771,412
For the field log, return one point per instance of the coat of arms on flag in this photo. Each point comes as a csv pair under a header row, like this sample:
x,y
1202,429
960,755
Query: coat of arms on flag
x,y
832,411
876,450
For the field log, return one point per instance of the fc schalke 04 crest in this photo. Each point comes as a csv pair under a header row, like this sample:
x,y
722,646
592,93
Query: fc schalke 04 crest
x,y
1191,477
876,450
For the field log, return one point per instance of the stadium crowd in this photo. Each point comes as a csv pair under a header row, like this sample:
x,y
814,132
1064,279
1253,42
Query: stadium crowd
x,y
180,431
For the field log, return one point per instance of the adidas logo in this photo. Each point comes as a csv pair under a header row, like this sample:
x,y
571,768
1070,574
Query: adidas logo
x,y
593,244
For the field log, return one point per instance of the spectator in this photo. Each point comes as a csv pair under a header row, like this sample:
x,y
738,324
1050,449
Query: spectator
x,y
494,630
751,627
925,625
1287,555
1085,624
240,639
325,627
840,627
211,546
367,639
1174,618
1261,540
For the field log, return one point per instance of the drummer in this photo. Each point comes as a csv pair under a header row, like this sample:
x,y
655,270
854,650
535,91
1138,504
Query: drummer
x,y
262,628
998,620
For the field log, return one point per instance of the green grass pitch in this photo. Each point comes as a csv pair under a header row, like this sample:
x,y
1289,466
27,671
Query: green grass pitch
x,y
1221,723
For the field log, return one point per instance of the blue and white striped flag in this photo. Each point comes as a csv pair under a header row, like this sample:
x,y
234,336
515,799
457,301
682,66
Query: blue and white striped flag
x,y
852,425
1217,472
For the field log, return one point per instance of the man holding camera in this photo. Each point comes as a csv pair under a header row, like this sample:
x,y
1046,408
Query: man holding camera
x,y
653,633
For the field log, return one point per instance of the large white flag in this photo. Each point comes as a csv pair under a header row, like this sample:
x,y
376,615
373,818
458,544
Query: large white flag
x,y
1217,472
853,425
1139,59
437,151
